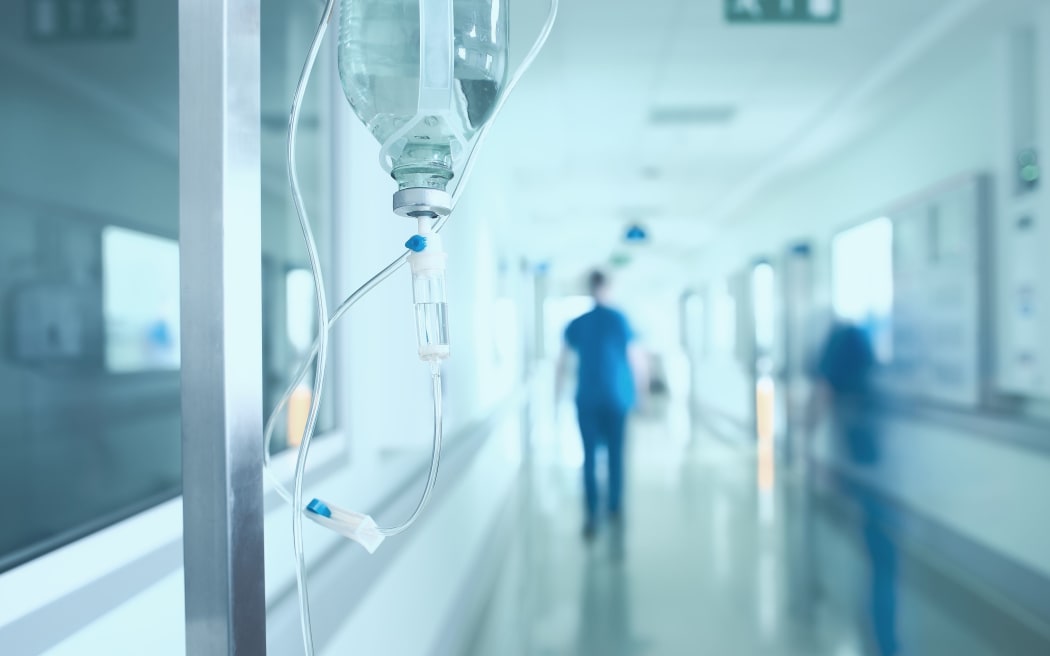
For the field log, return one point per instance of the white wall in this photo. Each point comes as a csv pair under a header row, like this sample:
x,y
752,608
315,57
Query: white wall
x,y
951,129
954,126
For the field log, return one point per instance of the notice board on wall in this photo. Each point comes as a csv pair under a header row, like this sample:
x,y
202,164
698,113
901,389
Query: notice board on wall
x,y
939,268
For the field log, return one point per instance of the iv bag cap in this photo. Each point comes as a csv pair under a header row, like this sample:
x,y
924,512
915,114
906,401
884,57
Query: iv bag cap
x,y
415,202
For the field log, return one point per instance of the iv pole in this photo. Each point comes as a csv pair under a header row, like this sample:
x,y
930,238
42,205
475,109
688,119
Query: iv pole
x,y
221,292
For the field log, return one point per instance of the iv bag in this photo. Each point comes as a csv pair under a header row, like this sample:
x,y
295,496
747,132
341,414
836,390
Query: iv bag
x,y
424,76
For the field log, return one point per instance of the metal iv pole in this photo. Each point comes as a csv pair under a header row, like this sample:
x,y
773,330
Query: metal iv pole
x,y
219,238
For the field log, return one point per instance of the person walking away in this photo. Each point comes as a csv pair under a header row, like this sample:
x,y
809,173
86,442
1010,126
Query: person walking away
x,y
845,388
610,373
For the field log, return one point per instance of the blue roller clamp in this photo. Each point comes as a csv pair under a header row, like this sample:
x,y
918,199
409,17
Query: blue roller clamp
x,y
319,507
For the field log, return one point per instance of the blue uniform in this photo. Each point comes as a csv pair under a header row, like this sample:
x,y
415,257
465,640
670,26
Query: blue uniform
x,y
604,396
846,365
600,338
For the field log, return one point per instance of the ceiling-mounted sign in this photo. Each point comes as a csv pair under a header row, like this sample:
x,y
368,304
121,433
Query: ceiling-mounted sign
x,y
636,233
783,11
81,20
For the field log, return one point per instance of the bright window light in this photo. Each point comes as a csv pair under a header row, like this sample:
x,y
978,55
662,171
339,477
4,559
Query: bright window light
x,y
764,298
862,280
299,290
140,291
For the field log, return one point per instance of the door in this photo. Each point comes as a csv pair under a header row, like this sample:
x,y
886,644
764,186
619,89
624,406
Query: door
x,y
798,328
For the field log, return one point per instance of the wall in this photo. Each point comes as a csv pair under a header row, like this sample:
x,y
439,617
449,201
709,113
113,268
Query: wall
x,y
954,125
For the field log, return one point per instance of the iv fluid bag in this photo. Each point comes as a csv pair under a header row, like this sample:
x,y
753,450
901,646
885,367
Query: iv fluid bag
x,y
423,76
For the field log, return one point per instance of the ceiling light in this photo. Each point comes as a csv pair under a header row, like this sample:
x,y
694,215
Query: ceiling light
x,y
652,173
692,114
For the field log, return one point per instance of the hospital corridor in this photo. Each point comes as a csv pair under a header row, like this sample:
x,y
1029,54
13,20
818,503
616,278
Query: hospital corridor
x,y
524,328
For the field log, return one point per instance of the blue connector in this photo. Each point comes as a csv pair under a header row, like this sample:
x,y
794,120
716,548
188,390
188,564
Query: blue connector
x,y
319,507
416,244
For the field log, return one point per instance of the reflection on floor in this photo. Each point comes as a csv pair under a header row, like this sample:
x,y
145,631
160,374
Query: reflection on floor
x,y
705,563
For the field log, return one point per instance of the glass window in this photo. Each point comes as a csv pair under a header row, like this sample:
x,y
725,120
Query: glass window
x,y
89,325
290,326
89,385
763,304
862,281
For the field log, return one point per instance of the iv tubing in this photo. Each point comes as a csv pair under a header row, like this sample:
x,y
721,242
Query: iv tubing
x,y
435,458
325,323
322,333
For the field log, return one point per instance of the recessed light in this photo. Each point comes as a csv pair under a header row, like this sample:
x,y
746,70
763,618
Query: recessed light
x,y
692,114
652,173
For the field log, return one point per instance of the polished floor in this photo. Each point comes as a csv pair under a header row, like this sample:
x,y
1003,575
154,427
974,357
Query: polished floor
x,y
716,555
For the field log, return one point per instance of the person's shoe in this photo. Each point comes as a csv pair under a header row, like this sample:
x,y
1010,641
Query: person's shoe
x,y
590,531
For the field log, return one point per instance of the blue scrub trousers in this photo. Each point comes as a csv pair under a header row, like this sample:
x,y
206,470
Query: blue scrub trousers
x,y
602,425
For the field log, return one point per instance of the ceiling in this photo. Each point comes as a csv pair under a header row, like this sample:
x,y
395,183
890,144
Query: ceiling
x,y
581,157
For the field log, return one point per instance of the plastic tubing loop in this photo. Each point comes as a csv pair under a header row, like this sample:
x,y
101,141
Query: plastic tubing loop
x,y
325,322
322,337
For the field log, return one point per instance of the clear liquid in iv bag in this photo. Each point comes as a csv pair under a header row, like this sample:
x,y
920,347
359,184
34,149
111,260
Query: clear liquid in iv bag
x,y
379,43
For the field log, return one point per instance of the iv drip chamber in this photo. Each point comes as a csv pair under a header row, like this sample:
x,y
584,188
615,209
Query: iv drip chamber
x,y
428,261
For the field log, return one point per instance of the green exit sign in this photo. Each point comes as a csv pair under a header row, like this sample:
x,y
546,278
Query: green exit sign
x,y
783,11
81,20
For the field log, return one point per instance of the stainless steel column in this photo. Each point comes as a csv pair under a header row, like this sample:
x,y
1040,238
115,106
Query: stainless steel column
x,y
219,178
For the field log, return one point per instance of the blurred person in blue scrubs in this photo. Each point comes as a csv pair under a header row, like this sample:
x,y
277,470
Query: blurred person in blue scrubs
x,y
610,377
845,389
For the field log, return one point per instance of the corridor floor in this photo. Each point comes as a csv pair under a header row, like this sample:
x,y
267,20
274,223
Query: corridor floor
x,y
713,557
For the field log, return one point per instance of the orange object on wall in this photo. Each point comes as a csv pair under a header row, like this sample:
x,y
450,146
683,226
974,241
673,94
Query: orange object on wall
x,y
765,409
298,411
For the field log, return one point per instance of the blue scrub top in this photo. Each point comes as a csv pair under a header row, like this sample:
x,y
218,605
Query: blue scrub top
x,y
847,362
600,338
